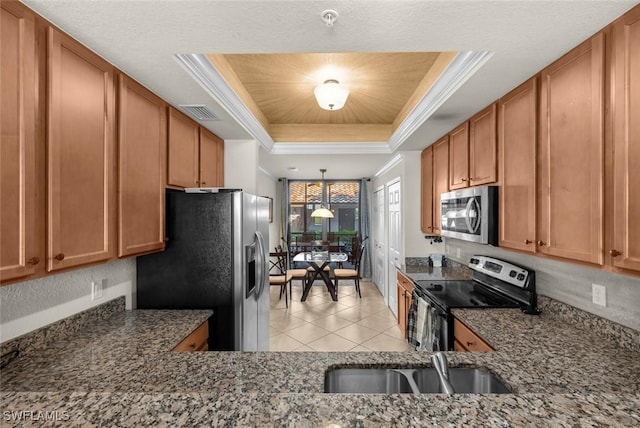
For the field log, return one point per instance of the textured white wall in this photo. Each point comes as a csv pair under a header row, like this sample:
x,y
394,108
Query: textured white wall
x,y
241,165
29,305
267,185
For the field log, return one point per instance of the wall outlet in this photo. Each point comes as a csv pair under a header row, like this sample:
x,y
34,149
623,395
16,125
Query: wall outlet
x,y
96,290
599,294
458,252
446,248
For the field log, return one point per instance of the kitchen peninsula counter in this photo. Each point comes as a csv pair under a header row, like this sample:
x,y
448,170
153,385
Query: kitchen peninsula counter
x,y
121,372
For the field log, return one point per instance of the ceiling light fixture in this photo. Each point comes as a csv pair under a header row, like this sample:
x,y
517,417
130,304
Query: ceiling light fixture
x,y
322,212
331,95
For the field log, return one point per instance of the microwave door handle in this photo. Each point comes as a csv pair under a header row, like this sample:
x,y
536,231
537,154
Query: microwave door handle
x,y
472,228
466,215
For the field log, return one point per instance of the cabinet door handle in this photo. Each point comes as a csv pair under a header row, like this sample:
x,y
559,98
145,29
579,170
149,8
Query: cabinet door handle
x,y
204,182
59,257
33,261
464,179
192,345
542,243
615,253
528,241
470,343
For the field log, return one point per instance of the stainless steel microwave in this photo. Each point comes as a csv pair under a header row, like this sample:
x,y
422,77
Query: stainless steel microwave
x,y
470,214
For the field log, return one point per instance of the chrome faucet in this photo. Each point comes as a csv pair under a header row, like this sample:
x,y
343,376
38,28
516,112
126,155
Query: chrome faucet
x,y
439,361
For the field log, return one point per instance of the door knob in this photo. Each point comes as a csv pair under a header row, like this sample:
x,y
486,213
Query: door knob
x,y
59,257
33,261
542,243
615,253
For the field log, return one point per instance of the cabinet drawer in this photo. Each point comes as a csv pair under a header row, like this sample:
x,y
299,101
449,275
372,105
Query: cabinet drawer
x,y
468,339
196,341
405,282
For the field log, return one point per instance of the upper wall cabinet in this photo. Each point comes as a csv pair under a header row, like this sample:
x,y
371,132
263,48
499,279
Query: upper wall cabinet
x,y
184,165
517,136
211,159
196,155
626,141
81,155
142,142
570,153
483,161
440,178
459,157
426,190
20,253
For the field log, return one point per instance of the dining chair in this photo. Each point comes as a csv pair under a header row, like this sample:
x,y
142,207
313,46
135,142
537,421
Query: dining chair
x,y
353,274
278,274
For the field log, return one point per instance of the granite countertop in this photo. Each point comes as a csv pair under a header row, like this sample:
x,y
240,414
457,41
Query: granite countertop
x,y
120,372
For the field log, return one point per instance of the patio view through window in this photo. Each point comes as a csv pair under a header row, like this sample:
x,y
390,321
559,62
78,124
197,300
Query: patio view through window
x,y
341,197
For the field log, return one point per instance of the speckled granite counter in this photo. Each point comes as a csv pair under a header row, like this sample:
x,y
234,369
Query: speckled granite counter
x,y
120,372
423,271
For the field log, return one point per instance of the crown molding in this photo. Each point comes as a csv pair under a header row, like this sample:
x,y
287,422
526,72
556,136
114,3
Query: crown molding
x,y
212,81
345,148
396,160
463,66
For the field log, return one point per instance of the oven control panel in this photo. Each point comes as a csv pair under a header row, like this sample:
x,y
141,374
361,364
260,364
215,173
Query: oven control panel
x,y
501,270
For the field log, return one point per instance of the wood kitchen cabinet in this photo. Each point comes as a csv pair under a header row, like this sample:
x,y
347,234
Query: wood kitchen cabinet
x,y
517,136
625,87
142,142
405,289
21,248
466,340
426,190
195,341
570,155
440,178
483,158
211,159
196,155
81,177
459,157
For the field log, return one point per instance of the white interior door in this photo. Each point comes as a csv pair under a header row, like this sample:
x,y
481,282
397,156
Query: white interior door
x,y
394,239
379,242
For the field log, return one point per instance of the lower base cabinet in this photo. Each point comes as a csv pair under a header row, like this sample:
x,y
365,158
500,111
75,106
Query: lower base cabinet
x,y
196,341
466,340
405,289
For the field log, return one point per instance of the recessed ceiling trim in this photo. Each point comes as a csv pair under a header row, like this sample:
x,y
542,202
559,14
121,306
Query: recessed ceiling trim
x,y
209,78
396,160
313,148
463,66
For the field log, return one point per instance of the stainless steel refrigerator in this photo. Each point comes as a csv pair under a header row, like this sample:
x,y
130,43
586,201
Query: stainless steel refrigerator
x,y
215,258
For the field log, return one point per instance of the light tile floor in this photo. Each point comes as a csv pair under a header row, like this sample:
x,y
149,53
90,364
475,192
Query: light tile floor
x,y
320,324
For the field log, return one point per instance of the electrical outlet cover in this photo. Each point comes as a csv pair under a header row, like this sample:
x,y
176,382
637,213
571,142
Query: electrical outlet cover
x,y
599,294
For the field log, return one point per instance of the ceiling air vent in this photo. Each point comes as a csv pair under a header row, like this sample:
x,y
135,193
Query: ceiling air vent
x,y
198,111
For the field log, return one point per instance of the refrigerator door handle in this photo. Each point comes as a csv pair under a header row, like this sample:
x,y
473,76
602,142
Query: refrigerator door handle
x,y
261,265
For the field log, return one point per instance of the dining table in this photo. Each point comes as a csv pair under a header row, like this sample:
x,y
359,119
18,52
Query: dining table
x,y
318,260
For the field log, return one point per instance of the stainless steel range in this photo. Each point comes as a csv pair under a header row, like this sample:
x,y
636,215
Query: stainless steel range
x,y
495,283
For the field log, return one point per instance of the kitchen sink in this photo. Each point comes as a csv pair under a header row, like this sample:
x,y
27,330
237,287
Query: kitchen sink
x,y
417,381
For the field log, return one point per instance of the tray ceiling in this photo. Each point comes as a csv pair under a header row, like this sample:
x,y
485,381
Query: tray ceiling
x,y
278,90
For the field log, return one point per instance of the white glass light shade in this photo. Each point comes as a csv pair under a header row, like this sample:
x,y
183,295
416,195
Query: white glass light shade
x,y
322,212
331,95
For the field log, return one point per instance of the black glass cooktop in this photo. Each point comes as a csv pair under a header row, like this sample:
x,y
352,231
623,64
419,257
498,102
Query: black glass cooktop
x,y
464,294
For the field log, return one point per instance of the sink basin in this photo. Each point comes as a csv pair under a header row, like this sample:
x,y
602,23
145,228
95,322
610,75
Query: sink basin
x,y
424,380
370,380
